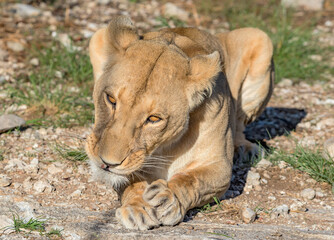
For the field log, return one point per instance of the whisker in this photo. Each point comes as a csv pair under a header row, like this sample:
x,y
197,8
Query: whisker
x,y
156,167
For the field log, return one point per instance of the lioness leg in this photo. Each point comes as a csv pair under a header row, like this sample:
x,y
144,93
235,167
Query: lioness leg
x,y
250,73
187,189
166,202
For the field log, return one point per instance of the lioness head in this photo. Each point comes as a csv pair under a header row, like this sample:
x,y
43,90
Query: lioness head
x,y
144,92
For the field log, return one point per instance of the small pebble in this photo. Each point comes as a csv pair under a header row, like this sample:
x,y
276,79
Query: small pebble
x,y
282,164
272,198
248,215
264,163
34,62
308,193
5,181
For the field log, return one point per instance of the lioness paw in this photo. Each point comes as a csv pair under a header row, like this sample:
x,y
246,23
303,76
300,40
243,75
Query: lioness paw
x,y
167,206
137,216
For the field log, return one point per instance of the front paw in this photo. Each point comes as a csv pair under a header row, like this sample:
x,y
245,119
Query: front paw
x,y
167,206
137,215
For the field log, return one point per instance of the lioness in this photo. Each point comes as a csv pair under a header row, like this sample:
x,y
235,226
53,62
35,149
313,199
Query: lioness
x,y
170,107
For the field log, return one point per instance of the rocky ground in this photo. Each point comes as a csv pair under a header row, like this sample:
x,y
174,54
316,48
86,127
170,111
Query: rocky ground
x,y
266,201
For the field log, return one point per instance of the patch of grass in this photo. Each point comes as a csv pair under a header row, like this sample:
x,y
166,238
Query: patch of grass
x,y
58,91
219,234
314,162
31,225
54,232
207,208
2,151
70,153
293,40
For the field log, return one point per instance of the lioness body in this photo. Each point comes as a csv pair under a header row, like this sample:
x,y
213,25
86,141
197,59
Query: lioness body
x,y
167,119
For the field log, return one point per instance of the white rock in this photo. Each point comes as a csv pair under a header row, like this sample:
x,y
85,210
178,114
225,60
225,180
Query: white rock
x,y
319,194
264,181
58,74
281,209
264,163
76,193
329,23
52,169
285,82
171,10
329,148
248,215
10,121
15,163
25,10
253,178
314,5
5,181
15,46
298,207
27,184
33,166
34,62
6,224
308,193
272,198
315,57
87,33
282,164
42,186
329,101
104,2
65,39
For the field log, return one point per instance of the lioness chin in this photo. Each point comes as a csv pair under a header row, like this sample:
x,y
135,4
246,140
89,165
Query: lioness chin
x,y
170,108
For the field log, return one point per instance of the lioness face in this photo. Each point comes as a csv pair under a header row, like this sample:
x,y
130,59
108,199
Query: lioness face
x,y
143,94
140,105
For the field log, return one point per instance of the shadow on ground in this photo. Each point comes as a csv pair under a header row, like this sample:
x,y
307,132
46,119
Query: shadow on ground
x,y
271,123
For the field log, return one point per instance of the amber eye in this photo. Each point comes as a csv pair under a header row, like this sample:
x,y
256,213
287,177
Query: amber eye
x,y
153,119
111,100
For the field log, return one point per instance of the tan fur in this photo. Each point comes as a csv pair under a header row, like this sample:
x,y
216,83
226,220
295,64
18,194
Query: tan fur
x,y
162,169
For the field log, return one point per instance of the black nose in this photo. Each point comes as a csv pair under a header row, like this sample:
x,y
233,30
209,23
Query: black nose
x,y
109,164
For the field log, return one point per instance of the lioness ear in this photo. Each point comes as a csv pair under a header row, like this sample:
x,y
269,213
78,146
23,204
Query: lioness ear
x,y
203,72
112,40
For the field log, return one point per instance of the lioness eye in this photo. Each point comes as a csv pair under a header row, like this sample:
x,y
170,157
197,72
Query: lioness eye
x,y
153,119
111,100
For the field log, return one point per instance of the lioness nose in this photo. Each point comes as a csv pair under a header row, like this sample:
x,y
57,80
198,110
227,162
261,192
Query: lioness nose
x,y
108,164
